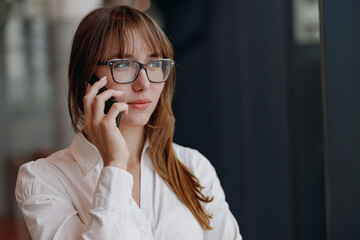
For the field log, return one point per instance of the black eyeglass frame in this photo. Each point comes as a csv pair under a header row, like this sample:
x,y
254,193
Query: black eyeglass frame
x,y
111,63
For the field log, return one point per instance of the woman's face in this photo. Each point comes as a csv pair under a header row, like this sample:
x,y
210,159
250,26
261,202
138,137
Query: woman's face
x,y
141,95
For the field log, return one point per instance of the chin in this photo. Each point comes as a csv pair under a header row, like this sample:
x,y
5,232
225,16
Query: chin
x,y
138,121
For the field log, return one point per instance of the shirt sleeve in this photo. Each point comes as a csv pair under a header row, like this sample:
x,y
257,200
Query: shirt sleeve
x,y
50,214
223,223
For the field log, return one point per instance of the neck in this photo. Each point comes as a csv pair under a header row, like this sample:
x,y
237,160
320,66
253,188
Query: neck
x,y
135,140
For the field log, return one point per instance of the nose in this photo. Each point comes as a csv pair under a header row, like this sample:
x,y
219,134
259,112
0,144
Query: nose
x,y
142,82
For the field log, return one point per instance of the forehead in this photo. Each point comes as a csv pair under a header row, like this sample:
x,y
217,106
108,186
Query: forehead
x,y
132,43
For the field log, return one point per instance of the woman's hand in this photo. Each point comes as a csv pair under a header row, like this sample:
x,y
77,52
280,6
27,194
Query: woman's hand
x,y
101,128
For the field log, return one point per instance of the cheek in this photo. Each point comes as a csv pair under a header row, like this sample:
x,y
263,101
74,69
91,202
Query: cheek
x,y
102,72
116,86
158,90
125,88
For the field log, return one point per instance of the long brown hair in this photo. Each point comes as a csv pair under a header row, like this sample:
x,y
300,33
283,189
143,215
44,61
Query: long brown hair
x,y
92,41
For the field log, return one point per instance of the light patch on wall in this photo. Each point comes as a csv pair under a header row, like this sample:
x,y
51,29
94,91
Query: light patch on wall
x,y
306,22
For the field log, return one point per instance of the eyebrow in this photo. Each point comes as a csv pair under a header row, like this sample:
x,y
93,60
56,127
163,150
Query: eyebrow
x,y
152,55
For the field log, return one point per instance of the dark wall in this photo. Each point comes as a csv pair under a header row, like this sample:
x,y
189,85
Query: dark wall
x,y
306,143
249,99
341,87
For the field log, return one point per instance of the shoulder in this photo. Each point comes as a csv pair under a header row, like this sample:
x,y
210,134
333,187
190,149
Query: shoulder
x,y
196,162
45,167
192,158
203,170
42,176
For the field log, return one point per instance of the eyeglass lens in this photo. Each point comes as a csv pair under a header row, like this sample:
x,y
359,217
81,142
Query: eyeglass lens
x,y
126,71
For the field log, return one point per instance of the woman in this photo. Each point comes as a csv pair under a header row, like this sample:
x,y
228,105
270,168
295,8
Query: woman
x,y
128,181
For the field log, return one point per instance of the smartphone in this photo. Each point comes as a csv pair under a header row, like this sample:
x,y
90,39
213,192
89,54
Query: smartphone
x,y
109,102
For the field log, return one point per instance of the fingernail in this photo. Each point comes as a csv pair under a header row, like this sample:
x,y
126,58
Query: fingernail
x,y
103,78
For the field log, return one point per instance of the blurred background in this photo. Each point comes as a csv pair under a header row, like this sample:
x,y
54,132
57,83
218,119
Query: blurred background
x,y
266,90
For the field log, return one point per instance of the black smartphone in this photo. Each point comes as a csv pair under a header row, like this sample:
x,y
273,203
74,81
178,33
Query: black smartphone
x,y
109,102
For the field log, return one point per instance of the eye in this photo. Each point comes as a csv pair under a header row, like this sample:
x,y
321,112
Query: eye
x,y
154,65
122,65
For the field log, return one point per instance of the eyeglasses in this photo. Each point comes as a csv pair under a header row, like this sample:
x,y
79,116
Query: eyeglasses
x,y
126,71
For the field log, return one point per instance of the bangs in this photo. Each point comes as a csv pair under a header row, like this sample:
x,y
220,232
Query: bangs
x,y
123,30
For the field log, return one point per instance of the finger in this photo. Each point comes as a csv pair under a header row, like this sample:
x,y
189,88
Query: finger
x,y
94,89
108,94
91,92
99,101
115,109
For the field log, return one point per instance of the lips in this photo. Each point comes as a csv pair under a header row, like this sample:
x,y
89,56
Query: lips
x,y
140,103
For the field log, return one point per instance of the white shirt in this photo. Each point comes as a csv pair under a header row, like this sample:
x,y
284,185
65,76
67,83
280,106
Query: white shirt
x,y
70,195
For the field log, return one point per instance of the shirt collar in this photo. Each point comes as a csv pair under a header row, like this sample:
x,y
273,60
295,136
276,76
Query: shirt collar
x,y
146,146
87,155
